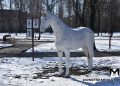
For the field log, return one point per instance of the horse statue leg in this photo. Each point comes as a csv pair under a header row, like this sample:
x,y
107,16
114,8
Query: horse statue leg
x,y
89,48
89,63
60,54
67,55
89,55
90,58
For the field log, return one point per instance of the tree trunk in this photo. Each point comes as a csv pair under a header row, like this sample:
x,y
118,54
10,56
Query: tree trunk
x,y
83,13
92,14
77,13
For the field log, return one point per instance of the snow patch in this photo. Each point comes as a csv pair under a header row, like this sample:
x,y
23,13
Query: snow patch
x,y
20,71
5,45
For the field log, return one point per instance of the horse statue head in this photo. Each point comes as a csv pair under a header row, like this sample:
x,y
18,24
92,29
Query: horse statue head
x,y
45,21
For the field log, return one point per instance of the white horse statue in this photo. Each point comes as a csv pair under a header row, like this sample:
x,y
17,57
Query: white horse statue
x,y
68,38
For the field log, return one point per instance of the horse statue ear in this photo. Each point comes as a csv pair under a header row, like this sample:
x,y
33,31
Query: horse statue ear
x,y
44,13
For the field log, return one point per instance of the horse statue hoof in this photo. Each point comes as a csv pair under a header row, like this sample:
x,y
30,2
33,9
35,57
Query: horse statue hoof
x,y
60,75
89,71
67,76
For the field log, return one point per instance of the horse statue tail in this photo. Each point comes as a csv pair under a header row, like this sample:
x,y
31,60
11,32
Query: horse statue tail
x,y
95,49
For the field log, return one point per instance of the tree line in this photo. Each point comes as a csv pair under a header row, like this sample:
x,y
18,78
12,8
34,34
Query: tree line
x,y
99,15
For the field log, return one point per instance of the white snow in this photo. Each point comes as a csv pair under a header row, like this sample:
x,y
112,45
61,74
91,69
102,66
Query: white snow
x,y
103,45
44,36
47,47
5,45
107,34
26,69
48,36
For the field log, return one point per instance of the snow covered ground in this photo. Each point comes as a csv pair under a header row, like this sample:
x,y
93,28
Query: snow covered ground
x,y
51,36
44,36
5,45
15,71
21,72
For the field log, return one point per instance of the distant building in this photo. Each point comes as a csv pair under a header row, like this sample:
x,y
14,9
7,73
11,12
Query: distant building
x,y
12,21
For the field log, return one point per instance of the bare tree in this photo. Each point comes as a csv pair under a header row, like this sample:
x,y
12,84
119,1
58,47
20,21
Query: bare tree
x,y
93,13
9,18
2,16
77,11
69,5
83,13
1,4
50,4
60,10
